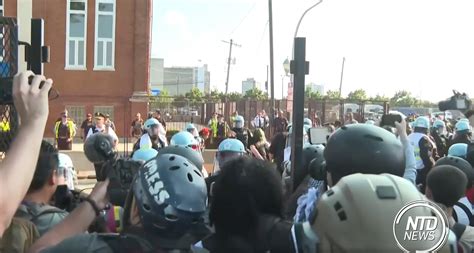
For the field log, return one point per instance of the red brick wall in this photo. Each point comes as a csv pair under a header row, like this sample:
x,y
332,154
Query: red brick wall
x,y
9,8
99,88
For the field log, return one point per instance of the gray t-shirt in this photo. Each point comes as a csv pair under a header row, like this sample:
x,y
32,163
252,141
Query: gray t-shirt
x,y
84,243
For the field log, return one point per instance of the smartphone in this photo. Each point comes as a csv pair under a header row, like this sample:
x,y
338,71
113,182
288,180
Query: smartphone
x,y
318,135
390,119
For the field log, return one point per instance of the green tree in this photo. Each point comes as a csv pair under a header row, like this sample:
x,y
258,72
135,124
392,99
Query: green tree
x,y
235,96
379,97
330,94
256,94
214,96
163,100
310,94
194,96
404,98
358,94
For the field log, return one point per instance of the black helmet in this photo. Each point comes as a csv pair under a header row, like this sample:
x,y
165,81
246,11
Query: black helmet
x,y
310,152
185,151
99,148
461,164
362,148
171,196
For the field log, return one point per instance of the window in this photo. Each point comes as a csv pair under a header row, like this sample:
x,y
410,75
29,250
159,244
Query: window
x,y
76,113
104,53
1,8
76,34
105,110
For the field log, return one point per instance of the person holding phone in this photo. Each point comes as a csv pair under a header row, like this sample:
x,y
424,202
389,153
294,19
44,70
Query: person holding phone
x,y
424,149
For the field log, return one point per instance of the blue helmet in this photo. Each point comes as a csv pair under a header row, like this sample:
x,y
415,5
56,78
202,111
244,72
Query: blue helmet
x,y
458,150
144,154
190,126
185,151
422,122
239,122
171,196
183,138
231,145
149,123
307,122
463,126
370,122
439,124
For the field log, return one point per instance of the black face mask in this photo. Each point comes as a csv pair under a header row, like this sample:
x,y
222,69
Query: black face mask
x,y
62,197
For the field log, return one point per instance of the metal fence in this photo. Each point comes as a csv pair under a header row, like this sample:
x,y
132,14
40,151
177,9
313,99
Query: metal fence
x,y
8,68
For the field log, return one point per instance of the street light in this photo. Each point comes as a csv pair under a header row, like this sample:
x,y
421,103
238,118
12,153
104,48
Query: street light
x,y
286,67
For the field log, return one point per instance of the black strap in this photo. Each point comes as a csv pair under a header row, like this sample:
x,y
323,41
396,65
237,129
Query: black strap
x,y
299,234
467,211
458,230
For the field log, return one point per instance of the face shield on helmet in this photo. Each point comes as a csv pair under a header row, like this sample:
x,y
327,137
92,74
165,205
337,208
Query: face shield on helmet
x,y
192,130
440,127
65,164
171,197
228,149
184,138
463,127
152,126
239,122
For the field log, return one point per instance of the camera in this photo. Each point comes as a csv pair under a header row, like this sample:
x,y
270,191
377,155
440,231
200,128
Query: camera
x,y
458,101
99,150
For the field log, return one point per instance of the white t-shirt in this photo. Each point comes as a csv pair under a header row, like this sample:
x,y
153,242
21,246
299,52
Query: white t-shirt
x,y
462,216
111,132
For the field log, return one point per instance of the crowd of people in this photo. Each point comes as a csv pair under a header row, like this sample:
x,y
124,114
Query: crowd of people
x,y
343,198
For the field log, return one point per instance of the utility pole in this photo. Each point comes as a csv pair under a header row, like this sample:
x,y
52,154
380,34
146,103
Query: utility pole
x,y
272,72
342,75
228,62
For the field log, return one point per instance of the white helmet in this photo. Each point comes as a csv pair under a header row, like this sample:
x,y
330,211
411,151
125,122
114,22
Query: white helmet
x,y
70,175
357,214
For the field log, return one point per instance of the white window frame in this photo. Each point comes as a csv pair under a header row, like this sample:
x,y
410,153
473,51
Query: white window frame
x,y
2,8
104,67
76,39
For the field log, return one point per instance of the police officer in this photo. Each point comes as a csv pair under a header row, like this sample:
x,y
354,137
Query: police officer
x,y
152,128
241,132
438,132
184,138
164,212
463,133
423,147
228,149
458,150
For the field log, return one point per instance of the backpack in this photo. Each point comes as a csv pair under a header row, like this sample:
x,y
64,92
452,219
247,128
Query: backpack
x,y
19,236
467,211
30,213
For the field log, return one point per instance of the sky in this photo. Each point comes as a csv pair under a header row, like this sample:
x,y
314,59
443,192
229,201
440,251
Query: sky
x,y
423,46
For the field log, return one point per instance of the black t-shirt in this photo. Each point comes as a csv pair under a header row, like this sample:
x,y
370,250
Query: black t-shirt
x,y
86,125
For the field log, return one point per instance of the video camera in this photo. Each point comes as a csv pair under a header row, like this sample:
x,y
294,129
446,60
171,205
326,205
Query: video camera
x,y
458,101
99,150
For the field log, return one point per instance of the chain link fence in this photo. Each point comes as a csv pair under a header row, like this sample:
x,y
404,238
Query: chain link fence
x,y
8,68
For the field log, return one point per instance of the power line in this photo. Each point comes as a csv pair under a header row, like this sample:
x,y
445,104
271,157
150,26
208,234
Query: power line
x,y
245,17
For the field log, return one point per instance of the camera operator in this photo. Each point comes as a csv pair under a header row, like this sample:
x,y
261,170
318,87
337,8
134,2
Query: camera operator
x,y
164,212
31,102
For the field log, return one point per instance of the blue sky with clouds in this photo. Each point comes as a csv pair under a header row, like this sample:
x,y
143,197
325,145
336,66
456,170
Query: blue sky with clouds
x,y
425,46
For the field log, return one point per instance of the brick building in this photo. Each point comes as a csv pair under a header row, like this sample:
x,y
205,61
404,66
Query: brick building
x,y
99,54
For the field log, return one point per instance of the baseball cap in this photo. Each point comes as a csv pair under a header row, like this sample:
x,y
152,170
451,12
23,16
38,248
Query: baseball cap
x,y
99,115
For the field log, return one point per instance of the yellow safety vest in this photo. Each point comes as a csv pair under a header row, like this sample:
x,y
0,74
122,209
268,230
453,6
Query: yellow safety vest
x,y
213,126
70,126
4,126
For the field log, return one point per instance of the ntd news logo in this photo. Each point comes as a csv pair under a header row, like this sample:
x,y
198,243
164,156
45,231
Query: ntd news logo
x,y
420,226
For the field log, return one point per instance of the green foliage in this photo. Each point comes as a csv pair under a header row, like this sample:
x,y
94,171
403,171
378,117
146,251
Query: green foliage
x,y
379,97
358,94
194,96
330,94
235,96
161,101
256,94
310,94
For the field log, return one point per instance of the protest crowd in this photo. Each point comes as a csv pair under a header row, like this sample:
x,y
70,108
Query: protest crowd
x,y
161,199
